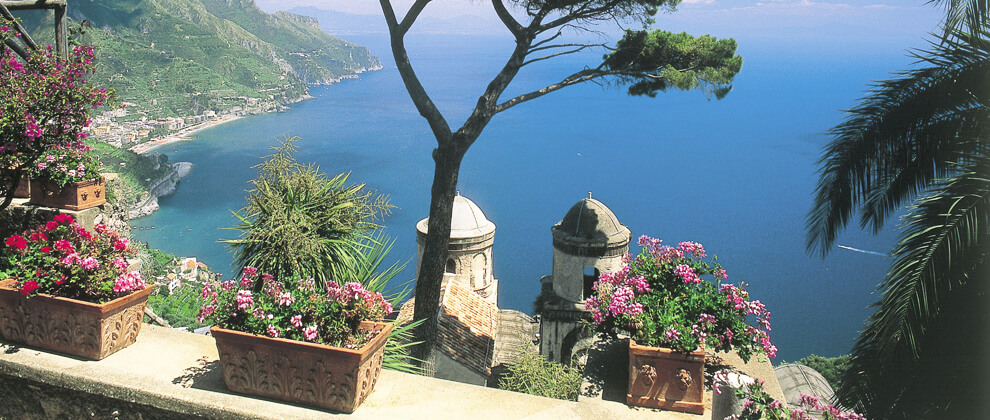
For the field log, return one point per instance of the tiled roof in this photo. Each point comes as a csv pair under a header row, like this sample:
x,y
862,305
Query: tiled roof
x,y
516,332
467,327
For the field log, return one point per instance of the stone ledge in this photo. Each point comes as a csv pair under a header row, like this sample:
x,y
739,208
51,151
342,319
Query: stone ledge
x,y
174,374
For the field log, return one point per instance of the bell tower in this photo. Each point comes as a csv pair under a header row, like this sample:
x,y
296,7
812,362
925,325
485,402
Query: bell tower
x,y
589,240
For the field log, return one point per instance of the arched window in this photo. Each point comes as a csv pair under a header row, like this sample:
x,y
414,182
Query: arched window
x,y
451,267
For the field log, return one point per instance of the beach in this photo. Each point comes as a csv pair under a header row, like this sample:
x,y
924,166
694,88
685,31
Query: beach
x,y
182,135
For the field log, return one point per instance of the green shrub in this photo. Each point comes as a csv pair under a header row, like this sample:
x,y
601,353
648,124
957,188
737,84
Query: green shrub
x,y
532,374
831,368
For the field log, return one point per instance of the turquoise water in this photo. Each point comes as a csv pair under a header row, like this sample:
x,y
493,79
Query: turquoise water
x,y
736,175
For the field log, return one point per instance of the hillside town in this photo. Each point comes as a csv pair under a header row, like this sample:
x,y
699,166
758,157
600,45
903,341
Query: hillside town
x,y
123,128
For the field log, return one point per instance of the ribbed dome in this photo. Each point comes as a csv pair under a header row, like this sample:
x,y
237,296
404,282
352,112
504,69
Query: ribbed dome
x,y
467,220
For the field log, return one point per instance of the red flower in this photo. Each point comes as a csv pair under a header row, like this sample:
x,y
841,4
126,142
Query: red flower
x,y
28,287
16,242
64,219
46,249
38,237
51,225
64,246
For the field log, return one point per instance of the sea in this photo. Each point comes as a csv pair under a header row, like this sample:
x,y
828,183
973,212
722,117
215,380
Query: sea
x,y
737,175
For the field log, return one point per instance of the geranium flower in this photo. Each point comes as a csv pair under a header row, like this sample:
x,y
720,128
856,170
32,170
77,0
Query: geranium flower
x,y
16,242
244,299
310,333
29,287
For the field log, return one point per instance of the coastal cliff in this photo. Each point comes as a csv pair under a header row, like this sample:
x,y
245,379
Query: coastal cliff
x,y
160,188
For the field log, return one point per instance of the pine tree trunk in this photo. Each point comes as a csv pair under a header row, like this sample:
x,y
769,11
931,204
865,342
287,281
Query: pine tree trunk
x,y
448,163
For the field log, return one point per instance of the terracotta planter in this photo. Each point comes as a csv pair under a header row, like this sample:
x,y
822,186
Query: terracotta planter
x,y
77,196
662,378
23,189
70,326
328,377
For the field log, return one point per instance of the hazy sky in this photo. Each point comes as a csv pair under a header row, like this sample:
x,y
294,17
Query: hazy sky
x,y
881,18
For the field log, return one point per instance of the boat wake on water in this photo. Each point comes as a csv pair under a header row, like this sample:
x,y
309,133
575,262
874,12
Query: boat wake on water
x,y
862,250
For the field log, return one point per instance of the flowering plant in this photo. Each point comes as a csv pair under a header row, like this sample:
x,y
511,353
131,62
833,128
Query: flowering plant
x,y
61,258
44,102
296,309
759,405
67,165
661,299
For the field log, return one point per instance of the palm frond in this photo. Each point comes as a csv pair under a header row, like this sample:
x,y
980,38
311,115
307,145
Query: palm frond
x,y
945,243
906,133
964,16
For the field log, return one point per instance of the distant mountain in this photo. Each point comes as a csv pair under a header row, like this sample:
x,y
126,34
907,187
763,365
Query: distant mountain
x,y
181,57
341,23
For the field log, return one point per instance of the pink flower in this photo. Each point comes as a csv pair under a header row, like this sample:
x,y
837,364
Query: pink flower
x,y
672,334
273,332
120,263
310,333
246,282
128,282
285,299
692,248
205,312
90,263
70,259
296,321
687,274
207,291
244,299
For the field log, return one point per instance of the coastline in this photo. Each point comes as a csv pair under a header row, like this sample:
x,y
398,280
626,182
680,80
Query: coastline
x,y
182,135
161,188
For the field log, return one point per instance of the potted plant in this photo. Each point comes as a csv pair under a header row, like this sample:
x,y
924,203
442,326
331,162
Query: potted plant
x,y
69,290
45,102
672,313
68,177
294,340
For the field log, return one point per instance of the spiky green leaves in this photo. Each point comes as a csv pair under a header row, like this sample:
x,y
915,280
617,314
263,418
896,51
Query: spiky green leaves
x,y
659,60
299,222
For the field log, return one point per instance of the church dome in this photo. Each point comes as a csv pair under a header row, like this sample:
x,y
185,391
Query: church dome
x,y
467,220
589,223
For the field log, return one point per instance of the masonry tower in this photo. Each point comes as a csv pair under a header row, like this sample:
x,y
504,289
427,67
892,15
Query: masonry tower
x,y
588,241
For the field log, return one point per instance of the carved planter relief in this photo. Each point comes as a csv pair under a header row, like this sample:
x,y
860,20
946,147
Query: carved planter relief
x,y
77,196
328,377
90,330
662,378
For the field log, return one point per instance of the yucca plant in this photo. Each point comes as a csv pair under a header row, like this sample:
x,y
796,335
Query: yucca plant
x,y
368,271
300,222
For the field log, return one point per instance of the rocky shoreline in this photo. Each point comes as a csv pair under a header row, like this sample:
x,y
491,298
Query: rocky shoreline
x,y
162,187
